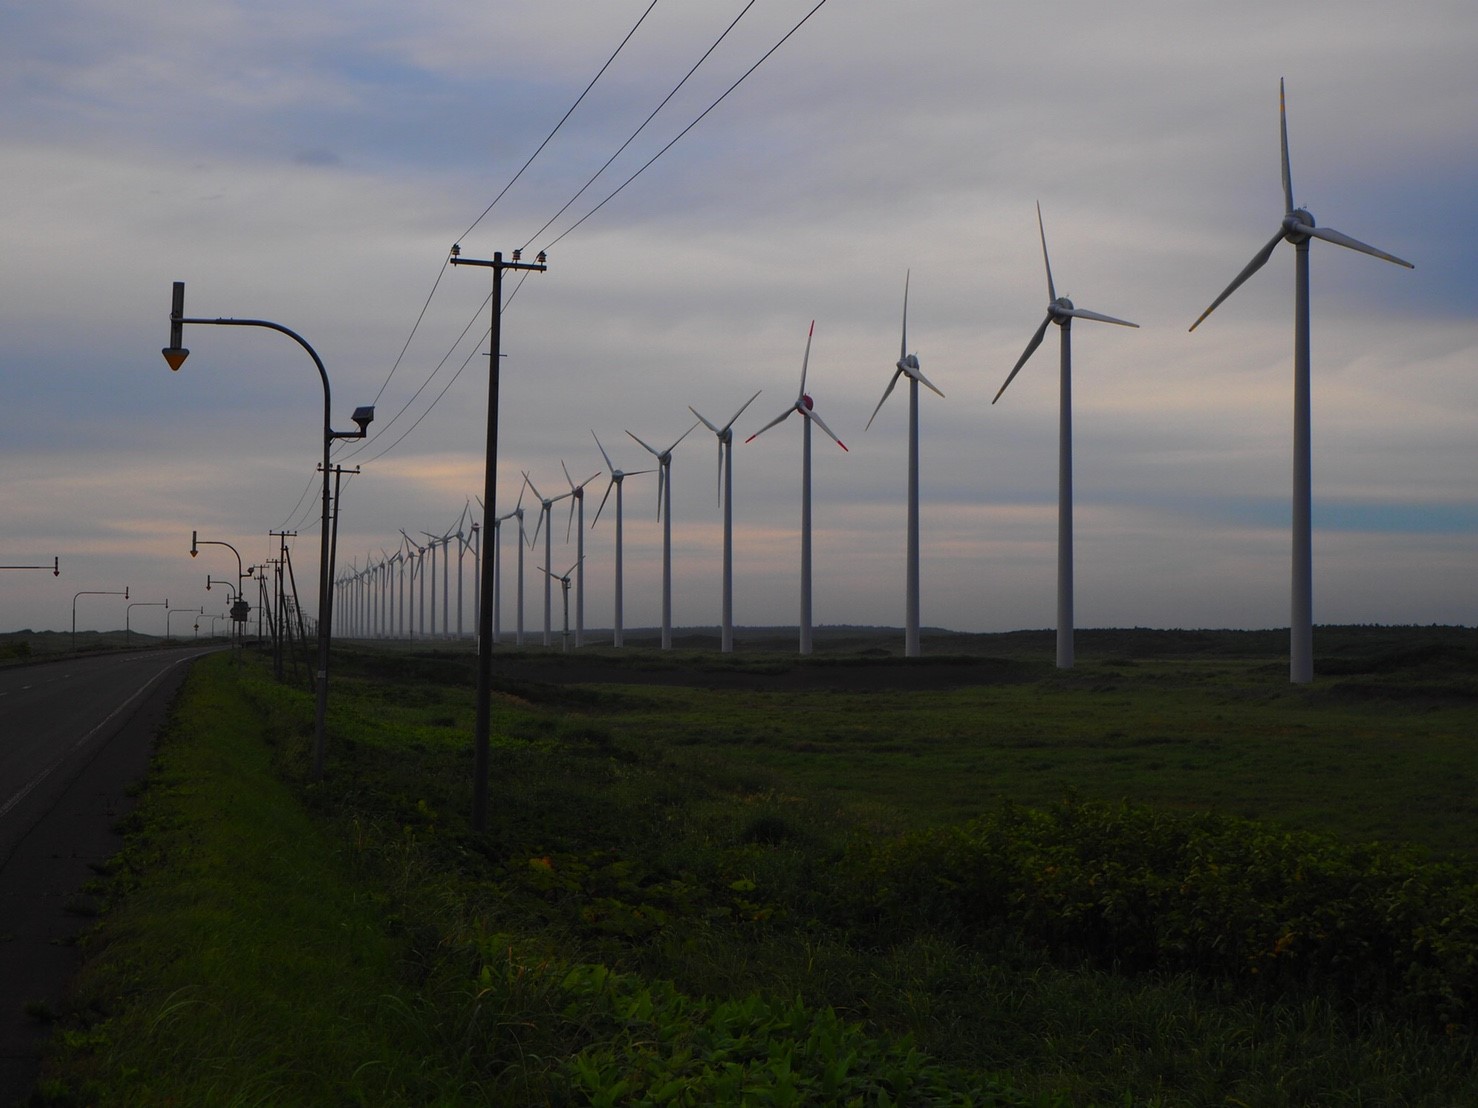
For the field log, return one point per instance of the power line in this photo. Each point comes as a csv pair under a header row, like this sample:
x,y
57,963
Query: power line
x,y
675,89
647,165
549,138
689,127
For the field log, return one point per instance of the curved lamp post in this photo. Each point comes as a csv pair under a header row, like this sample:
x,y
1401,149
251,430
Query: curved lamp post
x,y
175,354
90,592
128,612
169,615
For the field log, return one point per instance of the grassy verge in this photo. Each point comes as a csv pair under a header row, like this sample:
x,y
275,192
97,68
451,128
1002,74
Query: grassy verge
x,y
241,962
657,914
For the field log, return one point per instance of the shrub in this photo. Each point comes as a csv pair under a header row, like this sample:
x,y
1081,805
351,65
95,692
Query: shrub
x,y
1224,898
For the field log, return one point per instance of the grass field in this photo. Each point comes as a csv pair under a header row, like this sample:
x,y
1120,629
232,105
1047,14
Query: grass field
x,y
749,879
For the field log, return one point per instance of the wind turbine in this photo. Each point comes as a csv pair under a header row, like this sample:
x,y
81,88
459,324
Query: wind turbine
x,y
419,570
908,366
498,572
1298,227
1061,311
546,508
726,497
617,478
564,588
577,499
806,407
664,512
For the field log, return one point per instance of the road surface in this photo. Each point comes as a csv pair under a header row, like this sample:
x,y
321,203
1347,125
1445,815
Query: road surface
x,y
75,737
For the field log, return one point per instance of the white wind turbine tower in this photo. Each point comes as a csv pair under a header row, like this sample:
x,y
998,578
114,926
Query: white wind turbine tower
x,y
418,570
664,512
726,497
908,366
617,478
577,500
498,572
1297,228
546,516
1060,310
806,407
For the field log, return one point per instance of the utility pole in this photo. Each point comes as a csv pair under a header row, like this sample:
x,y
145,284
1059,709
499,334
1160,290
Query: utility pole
x,y
481,728
279,626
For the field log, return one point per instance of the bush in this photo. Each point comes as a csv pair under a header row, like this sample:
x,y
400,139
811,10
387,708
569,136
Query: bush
x,y
1226,899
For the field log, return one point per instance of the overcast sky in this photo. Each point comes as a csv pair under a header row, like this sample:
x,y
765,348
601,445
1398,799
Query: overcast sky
x,y
312,163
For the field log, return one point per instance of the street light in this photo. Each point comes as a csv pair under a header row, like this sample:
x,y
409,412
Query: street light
x,y
169,615
55,567
128,612
90,592
175,354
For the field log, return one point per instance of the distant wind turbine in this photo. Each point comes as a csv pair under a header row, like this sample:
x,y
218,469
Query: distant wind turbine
x,y
618,477
807,408
418,570
726,497
908,366
1298,227
1060,310
564,588
664,512
546,506
577,500
498,572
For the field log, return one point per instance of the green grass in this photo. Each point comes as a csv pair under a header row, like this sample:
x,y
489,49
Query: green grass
x,y
241,963
658,891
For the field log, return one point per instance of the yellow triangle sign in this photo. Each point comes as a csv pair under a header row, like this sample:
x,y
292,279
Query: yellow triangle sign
x,y
175,356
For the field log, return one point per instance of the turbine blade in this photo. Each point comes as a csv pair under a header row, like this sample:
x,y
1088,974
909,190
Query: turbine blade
x,y
903,345
778,419
719,496
740,412
1041,230
918,376
1031,347
568,479
647,448
816,419
603,499
533,486
1283,129
710,426
609,464
1252,267
542,514
1329,234
887,392
570,523
805,361
680,438
1084,313
661,484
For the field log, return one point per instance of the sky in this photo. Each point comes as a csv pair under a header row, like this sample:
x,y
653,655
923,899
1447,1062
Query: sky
x,y
312,164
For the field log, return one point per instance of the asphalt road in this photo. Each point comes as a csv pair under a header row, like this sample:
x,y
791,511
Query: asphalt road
x,y
75,737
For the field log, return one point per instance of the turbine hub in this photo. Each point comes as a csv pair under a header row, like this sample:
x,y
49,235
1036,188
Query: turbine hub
x,y
807,401
1295,219
908,362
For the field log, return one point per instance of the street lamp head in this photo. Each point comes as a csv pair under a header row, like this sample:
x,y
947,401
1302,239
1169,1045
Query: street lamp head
x,y
364,416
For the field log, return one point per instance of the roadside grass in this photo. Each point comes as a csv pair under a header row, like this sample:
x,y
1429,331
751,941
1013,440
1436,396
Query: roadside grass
x,y
651,917
237,963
